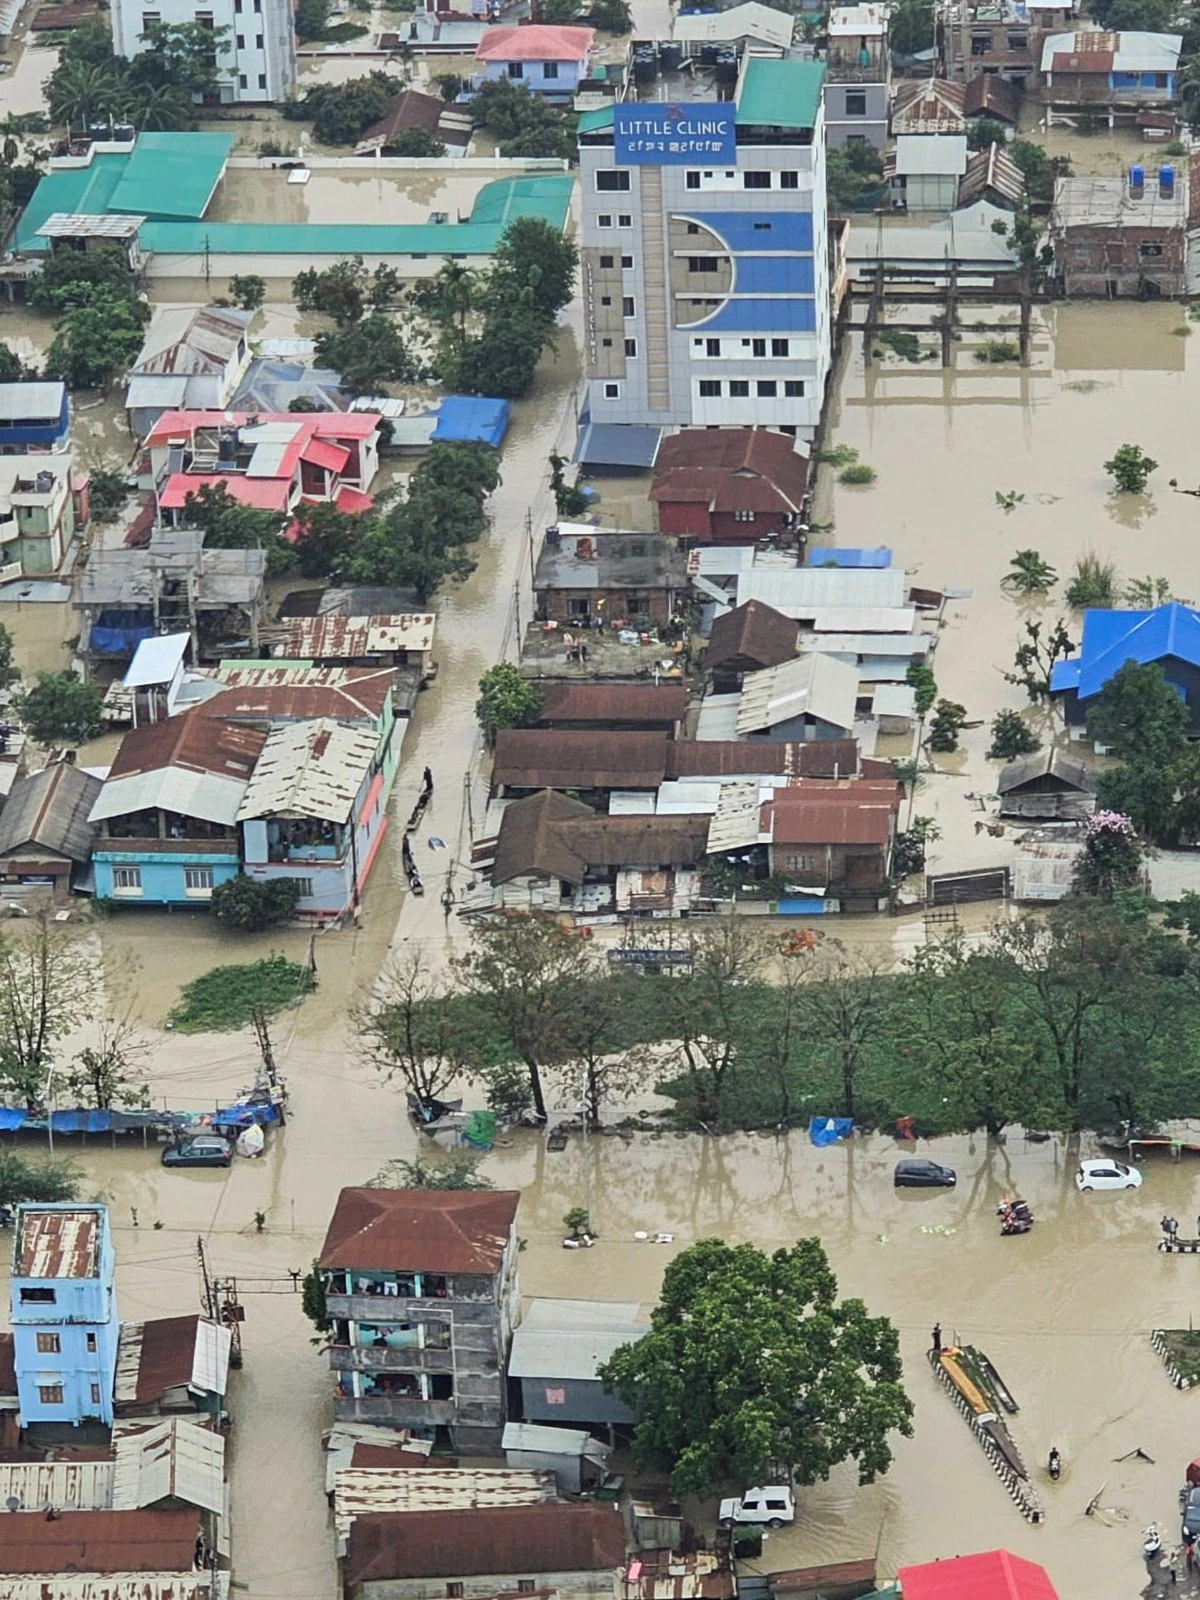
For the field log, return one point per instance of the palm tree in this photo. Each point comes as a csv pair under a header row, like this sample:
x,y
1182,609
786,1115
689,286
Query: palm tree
x,y
79,93
164,108
1029,574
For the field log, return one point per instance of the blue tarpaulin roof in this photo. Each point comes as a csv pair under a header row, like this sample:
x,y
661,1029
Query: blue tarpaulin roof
x,y
825,556
471,419
828,1130
1111,638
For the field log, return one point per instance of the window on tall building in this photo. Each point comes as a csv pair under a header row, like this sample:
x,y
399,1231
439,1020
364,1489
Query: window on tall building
x,y
981,43
549,69
95,1394
626,263
624,219
756,180
702,263
240,41
516,69
48,1344
204,19
128,880
710,388
612,179
1018,41
779,347
712,347
150,19
612,391
793,388
739,388
631,349
691,180
607,262
604,220
241,80
628,308
789,180
91,1344
743,516
258,41
758,347
198,880
766,388
37,1297
50,1394
856,103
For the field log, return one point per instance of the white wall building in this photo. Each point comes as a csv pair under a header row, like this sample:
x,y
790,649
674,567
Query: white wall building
x,y
257,61
704,252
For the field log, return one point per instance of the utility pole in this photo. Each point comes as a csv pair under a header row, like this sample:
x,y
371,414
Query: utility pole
x,y
529,539
210,1302
259,1016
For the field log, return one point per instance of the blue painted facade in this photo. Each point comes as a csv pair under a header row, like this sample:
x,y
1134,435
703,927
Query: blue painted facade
x,y
1162,82
179,879
552,79
39,422
63,1311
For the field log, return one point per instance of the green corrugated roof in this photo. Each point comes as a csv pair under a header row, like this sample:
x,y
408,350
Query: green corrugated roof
x,y
589,121
172,174
780,94
496,205
79,189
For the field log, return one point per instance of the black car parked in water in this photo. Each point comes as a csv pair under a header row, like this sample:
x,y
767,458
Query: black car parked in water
x,y
924,1175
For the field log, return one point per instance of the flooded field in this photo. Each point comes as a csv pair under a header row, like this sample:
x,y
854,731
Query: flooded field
x,y
944,442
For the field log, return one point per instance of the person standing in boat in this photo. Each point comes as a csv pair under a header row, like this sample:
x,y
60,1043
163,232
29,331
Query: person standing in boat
x,y
937,1339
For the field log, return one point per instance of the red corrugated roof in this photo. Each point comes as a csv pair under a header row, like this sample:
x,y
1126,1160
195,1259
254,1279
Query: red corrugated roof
x,y
500,1540
267,494
101,1541
317,425
323,453
192,741
817,811
535,41
351,500
731,469
415,1230
996,1575
1100,61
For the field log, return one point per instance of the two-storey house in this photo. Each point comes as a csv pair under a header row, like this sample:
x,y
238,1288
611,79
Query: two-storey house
x,y
421,1293
548,60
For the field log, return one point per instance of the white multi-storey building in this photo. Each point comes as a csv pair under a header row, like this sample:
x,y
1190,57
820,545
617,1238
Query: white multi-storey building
x,y
704,255
257,59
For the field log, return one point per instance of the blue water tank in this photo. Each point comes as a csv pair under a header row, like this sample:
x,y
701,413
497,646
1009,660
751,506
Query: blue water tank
x,y
1166,183
1137,178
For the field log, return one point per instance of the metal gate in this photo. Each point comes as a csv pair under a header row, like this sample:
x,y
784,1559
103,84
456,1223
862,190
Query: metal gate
x,y
957,888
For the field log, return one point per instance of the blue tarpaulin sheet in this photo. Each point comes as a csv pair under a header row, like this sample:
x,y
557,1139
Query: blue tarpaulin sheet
x,y
800,906
828,1130
825,556
81,1121
118,633
244,1116
471,419
10,1121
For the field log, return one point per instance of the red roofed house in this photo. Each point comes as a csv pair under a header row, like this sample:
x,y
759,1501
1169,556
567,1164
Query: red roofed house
x,y
730,485
270,461
995,1575
421,1291
547,59
834,835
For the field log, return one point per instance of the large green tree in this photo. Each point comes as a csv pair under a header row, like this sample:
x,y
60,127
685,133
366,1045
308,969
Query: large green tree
x,y
60,709
753,1360
506,700
1139,714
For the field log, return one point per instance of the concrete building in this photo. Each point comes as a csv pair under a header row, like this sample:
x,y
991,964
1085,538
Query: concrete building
x,y
64,1314
1001,38
192,360
421,1291
857,76
606,578
1115,237
37,512
704,256
33,418
256,56
1113,74
548,60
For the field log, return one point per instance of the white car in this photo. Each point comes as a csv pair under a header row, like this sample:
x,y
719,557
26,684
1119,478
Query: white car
x,y
1107,1174
770,1508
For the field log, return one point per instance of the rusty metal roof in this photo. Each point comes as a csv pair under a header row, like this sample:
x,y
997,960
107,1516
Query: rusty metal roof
x,y
754,632
290,693
647,703
57,1242
101,1541
153,1357
733,758
360,1491
61,1485
192,742
309,769
118,1586
542,758
833,812
183,340
502,1540
669,1575
416,1230
353,638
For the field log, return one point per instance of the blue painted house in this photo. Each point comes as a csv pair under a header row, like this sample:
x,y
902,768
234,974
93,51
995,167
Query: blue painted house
x,y
64,1314
166,818
1168,635
33,418
547,59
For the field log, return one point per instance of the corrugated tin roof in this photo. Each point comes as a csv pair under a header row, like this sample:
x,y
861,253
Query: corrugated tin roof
x,y
541,758
753,632
50,810
717,719
191,794
19,401
183,340
100,1541
870,645
118,1586
309,769
779,94
288,692
541,1439
351,638
175,1459
1088,51
809,686
602,703
57,1485
542,1350
747,21
360,1491
931,154
156,660
803,590
57,1242
210,1357
535,42
737,823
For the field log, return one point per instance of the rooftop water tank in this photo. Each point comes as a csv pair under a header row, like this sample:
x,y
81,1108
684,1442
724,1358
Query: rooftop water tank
x,y
1166,183
1137,180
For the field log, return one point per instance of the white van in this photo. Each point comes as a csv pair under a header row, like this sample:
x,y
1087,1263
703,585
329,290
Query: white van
x,y
770,1508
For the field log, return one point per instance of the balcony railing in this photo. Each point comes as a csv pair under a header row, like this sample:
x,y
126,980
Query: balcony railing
x,y
396,1308
395,1409
389,1358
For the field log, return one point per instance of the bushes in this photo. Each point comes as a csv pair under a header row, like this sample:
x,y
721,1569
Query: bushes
x,y
255,904
225,997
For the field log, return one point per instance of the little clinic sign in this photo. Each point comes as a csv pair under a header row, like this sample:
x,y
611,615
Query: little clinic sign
x,y
661,134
